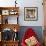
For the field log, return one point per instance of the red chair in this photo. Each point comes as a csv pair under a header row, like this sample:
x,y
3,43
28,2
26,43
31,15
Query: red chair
x,y
29,33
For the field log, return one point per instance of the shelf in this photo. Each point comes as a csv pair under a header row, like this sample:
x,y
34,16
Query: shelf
x,y
9,10
6,12
11,41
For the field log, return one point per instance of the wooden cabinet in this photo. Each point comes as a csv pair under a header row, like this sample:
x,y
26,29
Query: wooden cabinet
x,y
9,23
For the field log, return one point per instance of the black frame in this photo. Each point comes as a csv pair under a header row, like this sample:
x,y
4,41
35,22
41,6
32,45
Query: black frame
x,y
31,8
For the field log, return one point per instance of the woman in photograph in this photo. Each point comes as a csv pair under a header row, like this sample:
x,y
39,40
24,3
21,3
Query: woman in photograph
x,y
30,14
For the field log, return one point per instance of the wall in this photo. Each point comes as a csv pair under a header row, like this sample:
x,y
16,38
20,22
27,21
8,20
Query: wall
x,y
32,3
26,3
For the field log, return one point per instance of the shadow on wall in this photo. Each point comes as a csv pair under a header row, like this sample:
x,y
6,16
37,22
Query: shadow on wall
x,y
37,29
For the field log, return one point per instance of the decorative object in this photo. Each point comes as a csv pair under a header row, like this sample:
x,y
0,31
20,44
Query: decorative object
x,y
15,37
15,30
30,38
6,21
5,12
13,12
15,34
7,34
30,13
15,3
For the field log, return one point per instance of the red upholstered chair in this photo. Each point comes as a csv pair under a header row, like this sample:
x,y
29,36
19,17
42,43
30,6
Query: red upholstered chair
x,y
28,34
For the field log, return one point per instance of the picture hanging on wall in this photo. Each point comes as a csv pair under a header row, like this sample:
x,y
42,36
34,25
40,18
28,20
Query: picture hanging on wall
x,y
30,13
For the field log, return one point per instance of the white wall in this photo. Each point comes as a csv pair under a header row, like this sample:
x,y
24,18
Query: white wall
x,y
26,3
32,3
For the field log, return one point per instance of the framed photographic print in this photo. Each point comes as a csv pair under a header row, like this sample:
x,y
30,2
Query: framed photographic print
x,y
13,12
5,12
30,13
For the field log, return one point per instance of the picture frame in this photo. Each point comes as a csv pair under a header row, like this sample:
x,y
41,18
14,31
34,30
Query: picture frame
x,y
12,12
30,13
5,12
